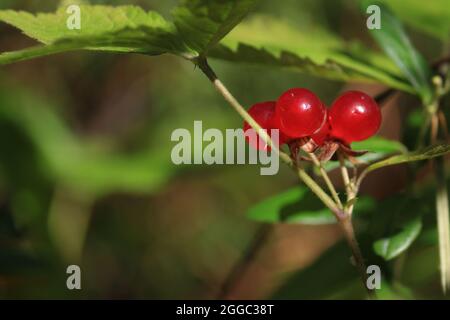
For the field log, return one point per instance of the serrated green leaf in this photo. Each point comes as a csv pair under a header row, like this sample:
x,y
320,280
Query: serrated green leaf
x,y
427,153
202,24
267,41
95,20
298,205
392,246
393,39
117,29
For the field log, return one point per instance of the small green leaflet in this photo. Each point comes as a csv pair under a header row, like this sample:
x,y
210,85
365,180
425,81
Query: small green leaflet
x,y
424,154
392,246
298,205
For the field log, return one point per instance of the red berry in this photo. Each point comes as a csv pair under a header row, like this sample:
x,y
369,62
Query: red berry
x,y
323,134
300,112
264,115
354,116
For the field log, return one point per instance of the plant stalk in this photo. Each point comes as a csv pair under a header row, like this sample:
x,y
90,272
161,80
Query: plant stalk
x,y
327,180
220,87
349,233
349,188
343,218
443,223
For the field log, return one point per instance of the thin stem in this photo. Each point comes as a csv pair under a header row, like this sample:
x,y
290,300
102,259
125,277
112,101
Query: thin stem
x,y
434,128
318,191
345,222
204,66
327,180
443,125
343,217
383,96
349,233
442,205
442,215
344,173
350,189
361,177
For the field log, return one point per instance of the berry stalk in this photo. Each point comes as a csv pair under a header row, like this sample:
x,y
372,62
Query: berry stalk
x,y
327,180
343,217
202,63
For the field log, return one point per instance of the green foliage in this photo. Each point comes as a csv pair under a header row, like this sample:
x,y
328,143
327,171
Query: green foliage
x,y
396,224
197,26
380,146
377,148
393,245
432,17
77,164
53,171
397,45
299,205
115,29
267,41
202,24
424,154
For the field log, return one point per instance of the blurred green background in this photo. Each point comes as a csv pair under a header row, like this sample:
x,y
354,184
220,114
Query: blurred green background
x,y
86,176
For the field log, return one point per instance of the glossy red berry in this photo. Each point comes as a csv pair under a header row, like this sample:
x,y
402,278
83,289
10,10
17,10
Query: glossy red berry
x,y
264,115
323,134
354,116
300,112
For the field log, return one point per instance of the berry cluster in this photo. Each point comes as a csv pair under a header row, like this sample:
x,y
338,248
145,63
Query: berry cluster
x,y
301,116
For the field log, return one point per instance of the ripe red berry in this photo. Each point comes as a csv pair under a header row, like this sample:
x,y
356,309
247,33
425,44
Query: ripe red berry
x,y
264,115
300,112
354,116
323,134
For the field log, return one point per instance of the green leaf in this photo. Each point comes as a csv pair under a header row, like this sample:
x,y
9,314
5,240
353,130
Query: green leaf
x,y
393,245
96,21
396,223
394,291
116,29
381,145
427,153
198,25
267,41
432,17
202,24
377,147
393,39
298,205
